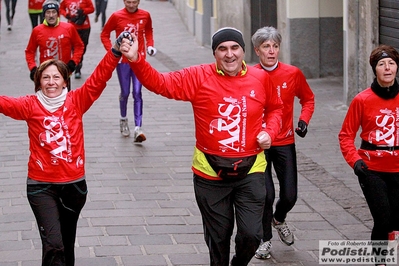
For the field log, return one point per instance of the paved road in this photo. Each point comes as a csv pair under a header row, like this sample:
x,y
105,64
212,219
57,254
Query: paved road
x,y
141,208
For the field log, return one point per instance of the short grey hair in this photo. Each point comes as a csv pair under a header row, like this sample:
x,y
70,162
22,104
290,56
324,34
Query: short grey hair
x,y
266,34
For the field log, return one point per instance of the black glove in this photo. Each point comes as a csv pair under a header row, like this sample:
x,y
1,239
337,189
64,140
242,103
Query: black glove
x,y
71,66
302,129
80,17
73,19
32,73
360,168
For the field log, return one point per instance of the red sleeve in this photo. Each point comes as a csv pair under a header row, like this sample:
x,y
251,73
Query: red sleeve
x,y
273,110
78,46
149,32
16,108
106,32
348,133
31,48
166,84
305,96
87,7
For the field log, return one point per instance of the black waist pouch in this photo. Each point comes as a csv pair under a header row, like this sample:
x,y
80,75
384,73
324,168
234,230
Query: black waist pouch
x,y
231,168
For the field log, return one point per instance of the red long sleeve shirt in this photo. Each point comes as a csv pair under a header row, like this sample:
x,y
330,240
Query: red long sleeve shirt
x,y
139,23
291,83
60,42
228,111
377,119
56,140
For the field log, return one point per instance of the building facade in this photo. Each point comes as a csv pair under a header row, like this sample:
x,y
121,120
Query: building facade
x,y
323,38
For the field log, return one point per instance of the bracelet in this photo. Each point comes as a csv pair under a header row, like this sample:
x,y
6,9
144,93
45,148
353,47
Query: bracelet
x,y
116,52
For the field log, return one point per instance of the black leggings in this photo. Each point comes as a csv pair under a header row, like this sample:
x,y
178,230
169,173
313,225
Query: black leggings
x,y
222,201
283,159
101,7
10,10
381,191
36,19
84,36
57,209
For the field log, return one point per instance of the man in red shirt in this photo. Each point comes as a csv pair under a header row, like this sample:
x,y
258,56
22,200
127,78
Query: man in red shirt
x,y
137,21
55,40
282,155
77,11
230,100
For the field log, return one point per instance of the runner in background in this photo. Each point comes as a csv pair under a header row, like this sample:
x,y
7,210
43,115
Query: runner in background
x,y
138,22
35,11
101,7
77,11
55,40
10,12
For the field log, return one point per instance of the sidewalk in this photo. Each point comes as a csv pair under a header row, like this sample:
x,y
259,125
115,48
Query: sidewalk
x,y
141,208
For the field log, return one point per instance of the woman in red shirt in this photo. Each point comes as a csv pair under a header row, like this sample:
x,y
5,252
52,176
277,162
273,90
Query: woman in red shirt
x,y
291,83
376,163
56,186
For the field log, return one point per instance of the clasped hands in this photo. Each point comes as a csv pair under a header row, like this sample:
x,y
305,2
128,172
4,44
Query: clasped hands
x,y
127,44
